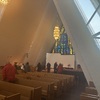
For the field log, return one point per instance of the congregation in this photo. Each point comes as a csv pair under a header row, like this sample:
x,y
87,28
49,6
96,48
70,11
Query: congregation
x,y
9,70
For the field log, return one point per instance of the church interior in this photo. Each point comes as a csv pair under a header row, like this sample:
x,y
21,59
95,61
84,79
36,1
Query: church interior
x,y
49,49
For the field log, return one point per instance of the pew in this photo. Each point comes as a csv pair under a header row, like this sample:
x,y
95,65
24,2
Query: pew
x,y
67,80
10,97
88,97
27,93
90,93
47,87
91,90
83,93
57,84
49,76
61,85
91,84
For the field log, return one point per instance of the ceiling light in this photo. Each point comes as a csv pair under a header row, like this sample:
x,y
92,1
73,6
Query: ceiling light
x,y
4,2
56,32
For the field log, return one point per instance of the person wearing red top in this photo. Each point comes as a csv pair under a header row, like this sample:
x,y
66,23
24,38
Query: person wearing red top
x,y
60,68
8,72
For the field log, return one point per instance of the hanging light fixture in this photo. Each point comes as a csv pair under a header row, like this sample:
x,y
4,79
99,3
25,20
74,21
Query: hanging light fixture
x,y
4,2
56,32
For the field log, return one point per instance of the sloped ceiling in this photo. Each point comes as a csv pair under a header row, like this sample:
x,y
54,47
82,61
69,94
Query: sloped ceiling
x,y
27,23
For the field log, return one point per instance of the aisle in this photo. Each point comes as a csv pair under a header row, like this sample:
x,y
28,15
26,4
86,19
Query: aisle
x,y
74,93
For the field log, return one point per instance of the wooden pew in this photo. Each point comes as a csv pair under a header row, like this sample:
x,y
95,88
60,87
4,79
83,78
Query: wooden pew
x,y
91,90
49,76
30,75
10,97
67,80
57,84
91,84
27,93
85,96
90,93
83,93
47,87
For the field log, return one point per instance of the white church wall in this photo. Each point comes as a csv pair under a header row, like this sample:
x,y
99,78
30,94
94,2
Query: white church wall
x,y
63,59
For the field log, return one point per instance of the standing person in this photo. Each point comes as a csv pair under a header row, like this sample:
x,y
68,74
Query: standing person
x,y
22,67
48,67
39,67
8,72
55,67
27,67
60,68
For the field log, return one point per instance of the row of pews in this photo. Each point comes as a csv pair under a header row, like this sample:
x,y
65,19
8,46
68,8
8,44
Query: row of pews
x,y
18,92
90,93
36,86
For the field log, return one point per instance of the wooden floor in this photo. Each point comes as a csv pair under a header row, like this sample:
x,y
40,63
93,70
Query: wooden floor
x,y
74,93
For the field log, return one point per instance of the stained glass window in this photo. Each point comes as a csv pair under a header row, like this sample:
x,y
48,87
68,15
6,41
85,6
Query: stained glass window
x,y
63,45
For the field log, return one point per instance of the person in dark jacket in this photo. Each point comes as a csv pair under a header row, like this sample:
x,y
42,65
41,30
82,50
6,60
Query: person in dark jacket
x,y
39,67
55,67
27,67
48,67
